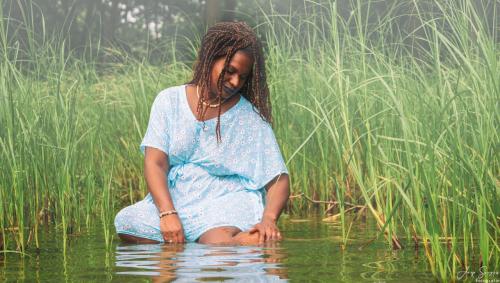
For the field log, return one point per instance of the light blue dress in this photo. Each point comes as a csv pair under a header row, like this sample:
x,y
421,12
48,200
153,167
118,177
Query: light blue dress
x,y
211,184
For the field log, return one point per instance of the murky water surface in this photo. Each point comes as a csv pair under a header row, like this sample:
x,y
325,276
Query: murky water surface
x,y
311,252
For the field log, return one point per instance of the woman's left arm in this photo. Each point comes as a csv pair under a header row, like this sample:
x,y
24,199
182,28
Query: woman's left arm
x,y
278,191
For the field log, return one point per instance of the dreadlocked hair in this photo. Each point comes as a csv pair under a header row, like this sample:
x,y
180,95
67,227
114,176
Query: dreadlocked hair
x,y
224,39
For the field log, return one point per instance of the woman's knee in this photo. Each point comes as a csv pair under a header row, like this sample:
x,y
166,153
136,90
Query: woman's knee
x,y
121,220
247,238
219,236
129,218
122,215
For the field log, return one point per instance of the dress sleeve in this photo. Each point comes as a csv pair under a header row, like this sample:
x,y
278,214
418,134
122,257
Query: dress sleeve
x,y
157,135
265,162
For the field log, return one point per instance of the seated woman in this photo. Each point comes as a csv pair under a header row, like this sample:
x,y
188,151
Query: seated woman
x,y
214,171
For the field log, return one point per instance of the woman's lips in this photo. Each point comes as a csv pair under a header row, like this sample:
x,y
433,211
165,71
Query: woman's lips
x,y
230,91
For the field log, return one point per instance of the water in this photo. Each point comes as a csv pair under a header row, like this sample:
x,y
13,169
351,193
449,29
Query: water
x,y
311,251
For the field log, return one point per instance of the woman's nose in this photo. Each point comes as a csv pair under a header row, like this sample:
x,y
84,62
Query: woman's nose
x,y
234,81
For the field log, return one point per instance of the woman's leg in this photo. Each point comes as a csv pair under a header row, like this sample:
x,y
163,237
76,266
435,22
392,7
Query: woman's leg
x,y
139,223
245,238
228,235
136,240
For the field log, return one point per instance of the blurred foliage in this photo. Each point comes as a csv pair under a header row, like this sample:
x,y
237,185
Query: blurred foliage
x,y
168,30
144,29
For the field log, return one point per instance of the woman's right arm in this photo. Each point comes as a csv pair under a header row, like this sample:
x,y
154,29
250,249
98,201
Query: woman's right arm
x,y
155,168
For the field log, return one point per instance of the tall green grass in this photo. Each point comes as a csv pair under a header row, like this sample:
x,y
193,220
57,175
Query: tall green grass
x,y
411,135
404,124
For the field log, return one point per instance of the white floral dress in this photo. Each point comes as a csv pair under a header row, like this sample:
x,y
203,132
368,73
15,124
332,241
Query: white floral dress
x,y
211,184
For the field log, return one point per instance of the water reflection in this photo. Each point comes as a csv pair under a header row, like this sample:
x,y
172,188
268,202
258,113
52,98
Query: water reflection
x,y
196,262
311,251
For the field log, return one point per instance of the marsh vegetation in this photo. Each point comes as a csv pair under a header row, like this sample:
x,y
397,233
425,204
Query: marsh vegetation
x,y
399,125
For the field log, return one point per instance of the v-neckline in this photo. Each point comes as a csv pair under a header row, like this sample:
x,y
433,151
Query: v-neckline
x,y
192,114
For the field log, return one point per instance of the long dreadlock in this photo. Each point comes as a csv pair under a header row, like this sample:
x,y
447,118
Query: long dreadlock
x,y
224,39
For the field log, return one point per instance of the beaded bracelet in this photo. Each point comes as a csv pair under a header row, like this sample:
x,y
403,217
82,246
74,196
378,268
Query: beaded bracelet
x,y
168,212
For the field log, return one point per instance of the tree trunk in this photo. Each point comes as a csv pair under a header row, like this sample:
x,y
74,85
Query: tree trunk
x,y
229,10
109,28
212,12
88,26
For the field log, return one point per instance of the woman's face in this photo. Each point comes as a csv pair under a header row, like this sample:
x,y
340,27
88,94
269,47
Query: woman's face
x,y
237,72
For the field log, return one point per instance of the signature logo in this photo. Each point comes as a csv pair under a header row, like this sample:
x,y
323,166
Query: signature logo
x,y
482,275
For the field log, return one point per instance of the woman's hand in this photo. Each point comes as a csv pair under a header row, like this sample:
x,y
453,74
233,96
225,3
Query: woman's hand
x,y
278,191
171,229
268,230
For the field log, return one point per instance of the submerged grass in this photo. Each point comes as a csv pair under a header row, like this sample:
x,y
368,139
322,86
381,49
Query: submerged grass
x,y
363,117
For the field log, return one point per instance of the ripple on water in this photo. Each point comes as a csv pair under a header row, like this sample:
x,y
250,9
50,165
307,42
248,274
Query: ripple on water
x,y
198,262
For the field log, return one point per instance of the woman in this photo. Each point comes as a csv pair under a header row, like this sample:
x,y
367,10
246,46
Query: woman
x,y
214,139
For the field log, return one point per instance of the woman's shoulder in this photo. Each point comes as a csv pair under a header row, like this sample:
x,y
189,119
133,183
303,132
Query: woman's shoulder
x,y
169,98
251,114
170,93
167,102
